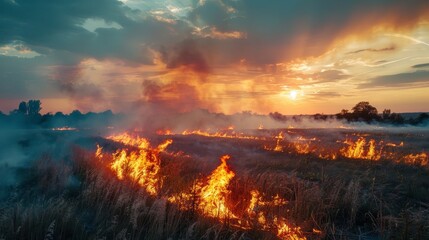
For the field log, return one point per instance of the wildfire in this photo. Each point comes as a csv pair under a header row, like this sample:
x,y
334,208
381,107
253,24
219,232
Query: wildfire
x,y
208,196
301,148
142,165
213,195
283,230
361,149
230,134
417,159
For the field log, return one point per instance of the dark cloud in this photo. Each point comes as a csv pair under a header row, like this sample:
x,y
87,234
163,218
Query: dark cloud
x,y
278,31
423,65
185,54
398,80
58,26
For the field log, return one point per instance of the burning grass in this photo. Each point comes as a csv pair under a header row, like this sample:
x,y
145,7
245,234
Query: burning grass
x,y
175,187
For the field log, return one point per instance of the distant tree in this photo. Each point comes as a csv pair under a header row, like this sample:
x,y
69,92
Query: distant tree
x,y
420,119
59,114
344,114
75,115
278,116
386,114
34,107
365,111
319,116
23,108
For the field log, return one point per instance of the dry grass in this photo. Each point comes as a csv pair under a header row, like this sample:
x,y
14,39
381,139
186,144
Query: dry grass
x,y
345,199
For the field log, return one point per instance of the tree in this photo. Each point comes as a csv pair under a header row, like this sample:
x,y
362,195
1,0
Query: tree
x,y
386,114
23,108
365,111
34,107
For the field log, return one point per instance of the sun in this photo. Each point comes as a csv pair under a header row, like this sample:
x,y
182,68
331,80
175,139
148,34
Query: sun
x,y
293,94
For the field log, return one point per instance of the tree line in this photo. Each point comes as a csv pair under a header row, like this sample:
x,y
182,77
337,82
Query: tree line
x,y
364,111
28,115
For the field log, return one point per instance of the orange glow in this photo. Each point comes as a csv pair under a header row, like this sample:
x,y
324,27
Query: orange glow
x,y
64,129
142,165
417,159
361,149
208,196
232,134
213,195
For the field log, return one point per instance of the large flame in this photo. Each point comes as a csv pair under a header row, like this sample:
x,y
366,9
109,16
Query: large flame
x,y
208,196
361,149
213,195
141,165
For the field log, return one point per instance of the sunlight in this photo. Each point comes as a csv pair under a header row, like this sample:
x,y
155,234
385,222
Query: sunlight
x,y
293,94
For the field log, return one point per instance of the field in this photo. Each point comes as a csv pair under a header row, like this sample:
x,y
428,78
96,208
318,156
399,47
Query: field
x,y
249,184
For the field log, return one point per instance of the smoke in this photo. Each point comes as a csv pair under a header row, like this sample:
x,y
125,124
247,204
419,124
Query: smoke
x,y
185,54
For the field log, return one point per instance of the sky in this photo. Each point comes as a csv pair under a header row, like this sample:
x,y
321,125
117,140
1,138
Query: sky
x,y
227,56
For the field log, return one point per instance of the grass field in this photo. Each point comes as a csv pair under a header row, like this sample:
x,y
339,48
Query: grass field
x,y
277,184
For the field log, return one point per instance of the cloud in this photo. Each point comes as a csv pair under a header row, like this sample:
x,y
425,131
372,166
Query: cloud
x,y
386,49
330,75
423,65
280,31
399,80
23,78
322,95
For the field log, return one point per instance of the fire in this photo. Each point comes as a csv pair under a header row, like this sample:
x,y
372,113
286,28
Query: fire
x,y
64,129
279,224
208,196
232,134
127,139
142,165
278,147
395,145
417,159
213,195
166,132
302,148
361,149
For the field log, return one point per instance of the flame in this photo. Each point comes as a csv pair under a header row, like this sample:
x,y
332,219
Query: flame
x,y
213,195
361,149
64,129
302,148
283,230
232,134
417,159
166,132
395,145
208,197
142,165
278,147
99,152
128,139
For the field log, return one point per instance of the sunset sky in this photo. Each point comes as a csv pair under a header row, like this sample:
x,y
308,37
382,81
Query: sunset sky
x,y
290,56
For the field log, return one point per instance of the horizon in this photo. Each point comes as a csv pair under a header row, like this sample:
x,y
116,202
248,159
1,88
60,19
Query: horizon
x,y
223,56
